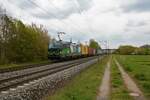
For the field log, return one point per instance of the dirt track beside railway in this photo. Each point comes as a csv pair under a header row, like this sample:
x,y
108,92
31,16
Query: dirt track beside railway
x,y
104,89
135,92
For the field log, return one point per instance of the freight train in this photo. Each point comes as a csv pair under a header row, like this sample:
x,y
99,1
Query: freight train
x,y
69,50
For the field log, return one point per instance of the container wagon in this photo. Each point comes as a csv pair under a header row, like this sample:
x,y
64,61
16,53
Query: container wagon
x,y
91,52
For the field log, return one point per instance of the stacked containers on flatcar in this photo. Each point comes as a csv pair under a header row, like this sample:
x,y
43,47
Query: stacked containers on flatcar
x,y
82,47
92,52
78,50
75,50
86,50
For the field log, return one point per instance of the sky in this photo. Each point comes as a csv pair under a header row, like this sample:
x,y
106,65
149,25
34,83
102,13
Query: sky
x,y
120,22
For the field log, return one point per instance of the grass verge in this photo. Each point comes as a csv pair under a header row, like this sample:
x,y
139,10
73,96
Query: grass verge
x,y
83,86
119,91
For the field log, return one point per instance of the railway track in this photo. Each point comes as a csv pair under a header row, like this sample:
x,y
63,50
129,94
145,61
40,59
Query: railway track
x,y
13,79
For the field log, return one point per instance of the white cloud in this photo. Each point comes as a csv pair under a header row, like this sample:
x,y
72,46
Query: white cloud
x,y
85,19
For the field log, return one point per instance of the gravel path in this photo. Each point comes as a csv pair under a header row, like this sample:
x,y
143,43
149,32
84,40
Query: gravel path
x,y
104,89
130,84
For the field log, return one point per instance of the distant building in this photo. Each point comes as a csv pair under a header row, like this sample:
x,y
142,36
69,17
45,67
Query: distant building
x,y
108,51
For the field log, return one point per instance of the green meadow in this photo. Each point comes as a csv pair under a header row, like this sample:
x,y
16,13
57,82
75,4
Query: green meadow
x,y
138,67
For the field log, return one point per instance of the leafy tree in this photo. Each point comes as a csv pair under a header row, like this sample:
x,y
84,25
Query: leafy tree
x,y
5,37
94,44
22,43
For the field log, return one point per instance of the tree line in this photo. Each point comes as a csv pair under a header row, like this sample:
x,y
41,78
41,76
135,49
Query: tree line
x,y
22,43
128,49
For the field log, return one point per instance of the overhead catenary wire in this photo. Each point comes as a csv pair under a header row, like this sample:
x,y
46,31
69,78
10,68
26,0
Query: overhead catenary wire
x,y
51,14
82,13
57,29
44,10
30,2
78,27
